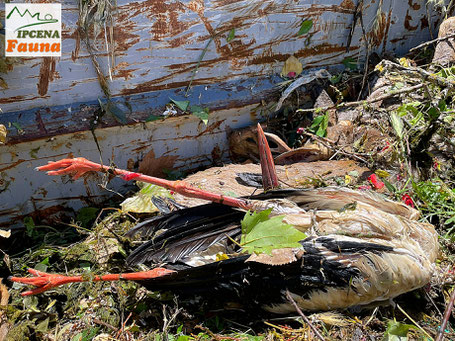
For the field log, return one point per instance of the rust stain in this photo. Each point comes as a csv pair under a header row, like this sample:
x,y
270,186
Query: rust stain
x,y
46,75
154,166
77,38
407,22
182,68
12,165
121,71
12,99
130,164
40,123
210,128
415,6
216,153
347,4
386,35
424,22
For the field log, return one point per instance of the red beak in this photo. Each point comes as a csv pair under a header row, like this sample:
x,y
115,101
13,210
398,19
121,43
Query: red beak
x,y
269,177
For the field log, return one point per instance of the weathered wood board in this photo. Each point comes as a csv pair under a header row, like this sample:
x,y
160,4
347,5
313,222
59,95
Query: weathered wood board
x,y
50,103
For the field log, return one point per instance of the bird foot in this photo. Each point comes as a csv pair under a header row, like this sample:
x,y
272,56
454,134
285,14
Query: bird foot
x,y
75,167
43,281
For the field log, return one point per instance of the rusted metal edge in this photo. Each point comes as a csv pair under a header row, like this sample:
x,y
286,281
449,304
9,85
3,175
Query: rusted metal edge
x,y
39,123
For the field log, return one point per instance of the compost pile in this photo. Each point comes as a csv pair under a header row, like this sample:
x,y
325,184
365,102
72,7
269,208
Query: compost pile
x,y
395,118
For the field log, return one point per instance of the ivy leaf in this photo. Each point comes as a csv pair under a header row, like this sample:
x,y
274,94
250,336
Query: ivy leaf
x,y
305,27
182,105
261,234
202,113
231,35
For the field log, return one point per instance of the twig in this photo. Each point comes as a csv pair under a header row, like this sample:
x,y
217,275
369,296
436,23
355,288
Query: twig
x,y
367,48
412,320
437,40
370,101
354,23
201,56
330,144
290,299
413,70
105,324
447,314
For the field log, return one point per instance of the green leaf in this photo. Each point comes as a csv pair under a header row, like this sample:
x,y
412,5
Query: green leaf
x,y
18,127
202,113
86,335
319,125
396,331
86,215
43,326
142,201
389,186
336,78
350,63
261,234
316,122
305,27
116,112
251,220
397,125
152,118
182,105
29,226
41,267
231,35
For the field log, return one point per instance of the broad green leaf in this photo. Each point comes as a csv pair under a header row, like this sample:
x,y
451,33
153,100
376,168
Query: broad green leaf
x,y
250,220
350,63
231,35
316,121
265,234
41,267
183,338
396,331
202,113
86,215
116,112
397,125
152,118
305,27
29,226
43,326
319,125
18,127
142,201
182,105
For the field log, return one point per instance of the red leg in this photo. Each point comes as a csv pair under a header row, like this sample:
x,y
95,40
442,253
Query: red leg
x,y
44,281
269,177
79,166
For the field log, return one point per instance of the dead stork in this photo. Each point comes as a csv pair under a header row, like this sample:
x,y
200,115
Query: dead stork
x,y
360,248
